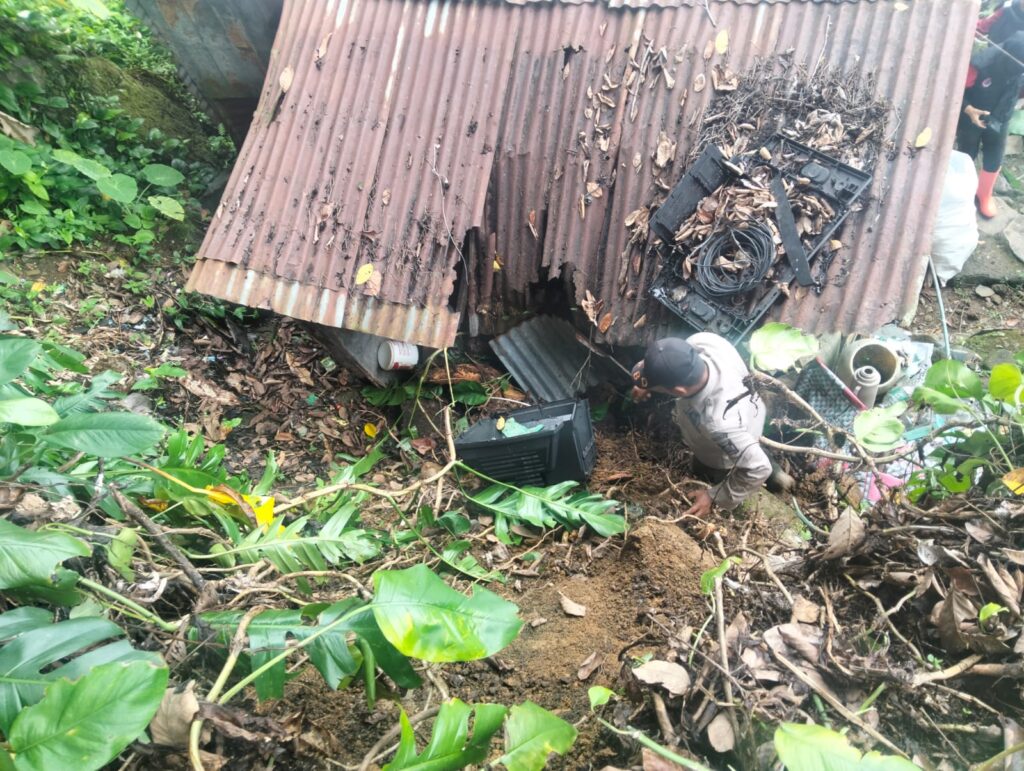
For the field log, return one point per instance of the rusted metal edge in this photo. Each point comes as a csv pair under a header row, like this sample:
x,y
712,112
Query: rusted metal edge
x,y
434,327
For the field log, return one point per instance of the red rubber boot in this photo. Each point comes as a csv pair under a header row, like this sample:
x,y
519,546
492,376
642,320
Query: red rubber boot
x,y
986,184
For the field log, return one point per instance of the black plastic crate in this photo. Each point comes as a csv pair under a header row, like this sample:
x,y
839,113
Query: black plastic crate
x,y
563,450
735,317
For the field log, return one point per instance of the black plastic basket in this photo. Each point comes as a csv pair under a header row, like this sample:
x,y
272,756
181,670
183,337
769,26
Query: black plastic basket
x,y
563,450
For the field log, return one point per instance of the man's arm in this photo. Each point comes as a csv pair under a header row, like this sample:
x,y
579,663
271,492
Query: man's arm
x,y
750,471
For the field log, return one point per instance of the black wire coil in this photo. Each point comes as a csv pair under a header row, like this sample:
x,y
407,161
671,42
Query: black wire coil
x,y
751,248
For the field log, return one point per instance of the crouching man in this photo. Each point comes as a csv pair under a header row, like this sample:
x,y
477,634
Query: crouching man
x,y
720,422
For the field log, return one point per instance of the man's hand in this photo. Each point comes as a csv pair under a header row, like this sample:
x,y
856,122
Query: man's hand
x,y
701,507
976,116
640,394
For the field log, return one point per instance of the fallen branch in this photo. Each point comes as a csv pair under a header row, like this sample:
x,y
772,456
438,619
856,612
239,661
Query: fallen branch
x,y
135,513
947,674
723,646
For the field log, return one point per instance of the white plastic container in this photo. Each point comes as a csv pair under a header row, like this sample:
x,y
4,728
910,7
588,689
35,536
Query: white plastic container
x,y
394,354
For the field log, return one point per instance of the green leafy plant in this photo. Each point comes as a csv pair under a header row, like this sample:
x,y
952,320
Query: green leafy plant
x,y
86,723
545,507
816,748
879,429
777,346
532,733
37,653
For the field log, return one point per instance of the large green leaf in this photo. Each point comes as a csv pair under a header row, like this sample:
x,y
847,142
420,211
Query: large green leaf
x,y
92,169
450,747
27,411
954,378
426,619
1005,382
89,399
16,354
531,734
332,653
120,187
38,651
106,434
938,401
162,176
167,207
816,748
879,429
85,724
15,161
28,557
777,346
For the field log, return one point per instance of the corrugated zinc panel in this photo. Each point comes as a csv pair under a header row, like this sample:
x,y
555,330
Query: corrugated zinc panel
x,y
405,125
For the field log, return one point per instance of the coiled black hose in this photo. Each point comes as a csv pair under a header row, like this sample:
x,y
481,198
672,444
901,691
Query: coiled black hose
x,y
749,252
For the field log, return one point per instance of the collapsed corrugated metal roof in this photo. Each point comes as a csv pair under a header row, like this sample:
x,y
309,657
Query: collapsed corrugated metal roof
x,y
387,131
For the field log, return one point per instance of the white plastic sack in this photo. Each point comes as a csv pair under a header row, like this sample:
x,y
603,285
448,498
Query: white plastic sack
x,y
956,228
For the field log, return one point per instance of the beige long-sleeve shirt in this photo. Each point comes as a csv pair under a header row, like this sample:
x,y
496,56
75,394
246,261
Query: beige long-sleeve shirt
x,y
723,436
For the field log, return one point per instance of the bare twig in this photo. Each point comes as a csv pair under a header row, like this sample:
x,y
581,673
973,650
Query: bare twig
x,y
135,513
667,731
771,573
949,672
390,735
723,646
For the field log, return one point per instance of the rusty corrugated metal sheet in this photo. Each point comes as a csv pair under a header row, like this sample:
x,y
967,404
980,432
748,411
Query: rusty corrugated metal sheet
x,y
222,48
419,122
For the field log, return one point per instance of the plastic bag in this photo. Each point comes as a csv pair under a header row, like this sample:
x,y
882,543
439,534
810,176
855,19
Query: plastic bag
x,y
956,230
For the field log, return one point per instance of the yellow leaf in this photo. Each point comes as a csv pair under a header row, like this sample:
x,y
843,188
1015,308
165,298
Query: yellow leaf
x,y
155,504
364,274
263,508
1015,481
924,137
219,497
496,266
370,430
38,286
500,425
722,42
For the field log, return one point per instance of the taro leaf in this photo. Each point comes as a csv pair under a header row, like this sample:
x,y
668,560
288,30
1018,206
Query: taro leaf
x,y
15,161
167,207
29,558
86,723
426,619
531,734
36,644
106,434
938,401
878,429
1005,381
92,169
778,346
120,187
16,354
451,746
953,378
816,748
162,176
599,695
27,411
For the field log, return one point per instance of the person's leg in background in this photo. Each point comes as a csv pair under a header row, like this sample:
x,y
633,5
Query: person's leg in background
x,y
968,137
993,147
